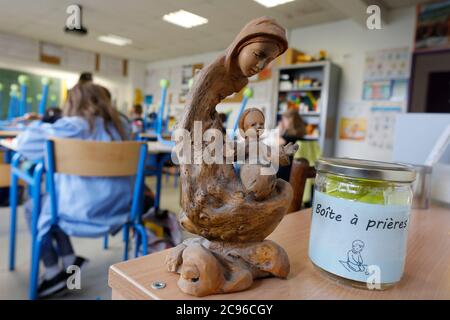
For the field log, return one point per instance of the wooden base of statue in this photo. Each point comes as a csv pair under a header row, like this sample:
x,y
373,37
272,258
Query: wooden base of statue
x,y
207,267
222,266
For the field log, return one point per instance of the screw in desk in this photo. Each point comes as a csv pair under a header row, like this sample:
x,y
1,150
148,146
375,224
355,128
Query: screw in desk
x,y
158,285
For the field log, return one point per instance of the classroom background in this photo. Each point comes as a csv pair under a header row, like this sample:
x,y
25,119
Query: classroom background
x,y
377,94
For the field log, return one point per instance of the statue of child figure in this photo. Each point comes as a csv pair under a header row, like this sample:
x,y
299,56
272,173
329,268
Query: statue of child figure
x,y
255,175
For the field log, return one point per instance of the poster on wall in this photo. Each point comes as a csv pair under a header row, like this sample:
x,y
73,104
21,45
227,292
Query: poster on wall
x,y
383,71
387,64
187,73
352,129
377,90
433,26
381,127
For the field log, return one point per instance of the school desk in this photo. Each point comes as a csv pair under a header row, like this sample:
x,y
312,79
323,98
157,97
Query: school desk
x,y
8,133
155,147
152,136
8,144
427,271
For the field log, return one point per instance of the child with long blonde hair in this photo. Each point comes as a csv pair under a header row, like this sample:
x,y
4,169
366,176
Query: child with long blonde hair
x,y
87,206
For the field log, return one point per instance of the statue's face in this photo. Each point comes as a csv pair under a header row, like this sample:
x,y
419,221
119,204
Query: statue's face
x,y
254,124
256,56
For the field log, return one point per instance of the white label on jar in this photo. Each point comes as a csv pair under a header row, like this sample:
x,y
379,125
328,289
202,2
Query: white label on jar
x,y
358,241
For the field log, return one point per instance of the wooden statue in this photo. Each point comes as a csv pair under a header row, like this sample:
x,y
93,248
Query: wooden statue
x,y
232,213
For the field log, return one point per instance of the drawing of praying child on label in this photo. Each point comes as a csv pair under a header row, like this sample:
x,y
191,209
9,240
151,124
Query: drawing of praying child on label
x,y
355,261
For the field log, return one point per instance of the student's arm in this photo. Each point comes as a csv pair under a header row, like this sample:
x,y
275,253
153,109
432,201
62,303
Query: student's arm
x,y
31,142
127,126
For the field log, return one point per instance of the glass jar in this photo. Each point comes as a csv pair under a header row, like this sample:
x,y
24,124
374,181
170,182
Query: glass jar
x,y
360,218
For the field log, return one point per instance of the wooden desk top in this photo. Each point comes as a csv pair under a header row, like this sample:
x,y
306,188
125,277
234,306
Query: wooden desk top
x,y
153,135
8,144
427,272
9,133
158,147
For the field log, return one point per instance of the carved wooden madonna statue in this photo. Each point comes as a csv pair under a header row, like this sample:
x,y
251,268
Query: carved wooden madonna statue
x,y
230,219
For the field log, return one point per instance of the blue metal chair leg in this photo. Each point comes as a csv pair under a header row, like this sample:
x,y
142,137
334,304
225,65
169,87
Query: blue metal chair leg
x,y
137,241
34,276
126,238
35,240
105,242
143,237
8,156
12,234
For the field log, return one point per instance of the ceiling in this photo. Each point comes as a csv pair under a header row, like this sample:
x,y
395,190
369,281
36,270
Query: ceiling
x,y
154,39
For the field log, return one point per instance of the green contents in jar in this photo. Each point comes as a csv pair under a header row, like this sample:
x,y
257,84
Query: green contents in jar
x,y
362,190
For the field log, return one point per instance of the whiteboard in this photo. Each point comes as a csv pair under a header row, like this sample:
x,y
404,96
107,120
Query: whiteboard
x,y
416,135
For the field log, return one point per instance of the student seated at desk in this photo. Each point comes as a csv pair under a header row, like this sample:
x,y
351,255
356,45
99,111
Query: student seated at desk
x,y
292,128
52,115
137,121
87,206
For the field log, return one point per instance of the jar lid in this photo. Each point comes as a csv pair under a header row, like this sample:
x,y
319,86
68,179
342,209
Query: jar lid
x,y
365,169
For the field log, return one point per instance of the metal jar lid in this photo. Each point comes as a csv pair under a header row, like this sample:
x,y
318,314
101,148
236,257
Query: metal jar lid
x,y
365,169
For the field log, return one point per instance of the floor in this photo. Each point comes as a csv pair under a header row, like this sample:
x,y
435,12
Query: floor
x,y
94,278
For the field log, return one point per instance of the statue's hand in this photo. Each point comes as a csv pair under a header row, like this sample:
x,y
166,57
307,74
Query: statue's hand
x,y
291,148
174,258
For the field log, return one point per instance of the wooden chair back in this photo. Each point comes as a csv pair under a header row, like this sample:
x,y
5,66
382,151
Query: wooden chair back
x,y
300,172
93,158
5,175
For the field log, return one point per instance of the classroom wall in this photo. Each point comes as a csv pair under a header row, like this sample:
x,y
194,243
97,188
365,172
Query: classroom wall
x,y
120,88
136,76
22,54
346,43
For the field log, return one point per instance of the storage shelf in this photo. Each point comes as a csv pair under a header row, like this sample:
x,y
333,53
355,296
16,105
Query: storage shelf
x,y
305,114
327,90
310,114
303,89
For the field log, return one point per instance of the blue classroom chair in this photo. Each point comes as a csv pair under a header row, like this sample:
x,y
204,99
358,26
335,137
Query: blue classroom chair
x,y
95,159
33,180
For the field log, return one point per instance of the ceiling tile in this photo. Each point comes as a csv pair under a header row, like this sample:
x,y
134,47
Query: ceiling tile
x,y
141,21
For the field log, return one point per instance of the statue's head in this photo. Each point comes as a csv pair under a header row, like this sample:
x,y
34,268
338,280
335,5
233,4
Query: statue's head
x,y
251,123
258,43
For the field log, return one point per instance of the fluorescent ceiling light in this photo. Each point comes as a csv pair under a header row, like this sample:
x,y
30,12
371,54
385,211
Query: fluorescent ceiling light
x,y
272,3
115,40
184,19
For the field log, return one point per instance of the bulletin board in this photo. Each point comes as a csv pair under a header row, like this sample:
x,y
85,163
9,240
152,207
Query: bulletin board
x,y
9,77
386,73
370,125
381,128
433,26
353,129
367,125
